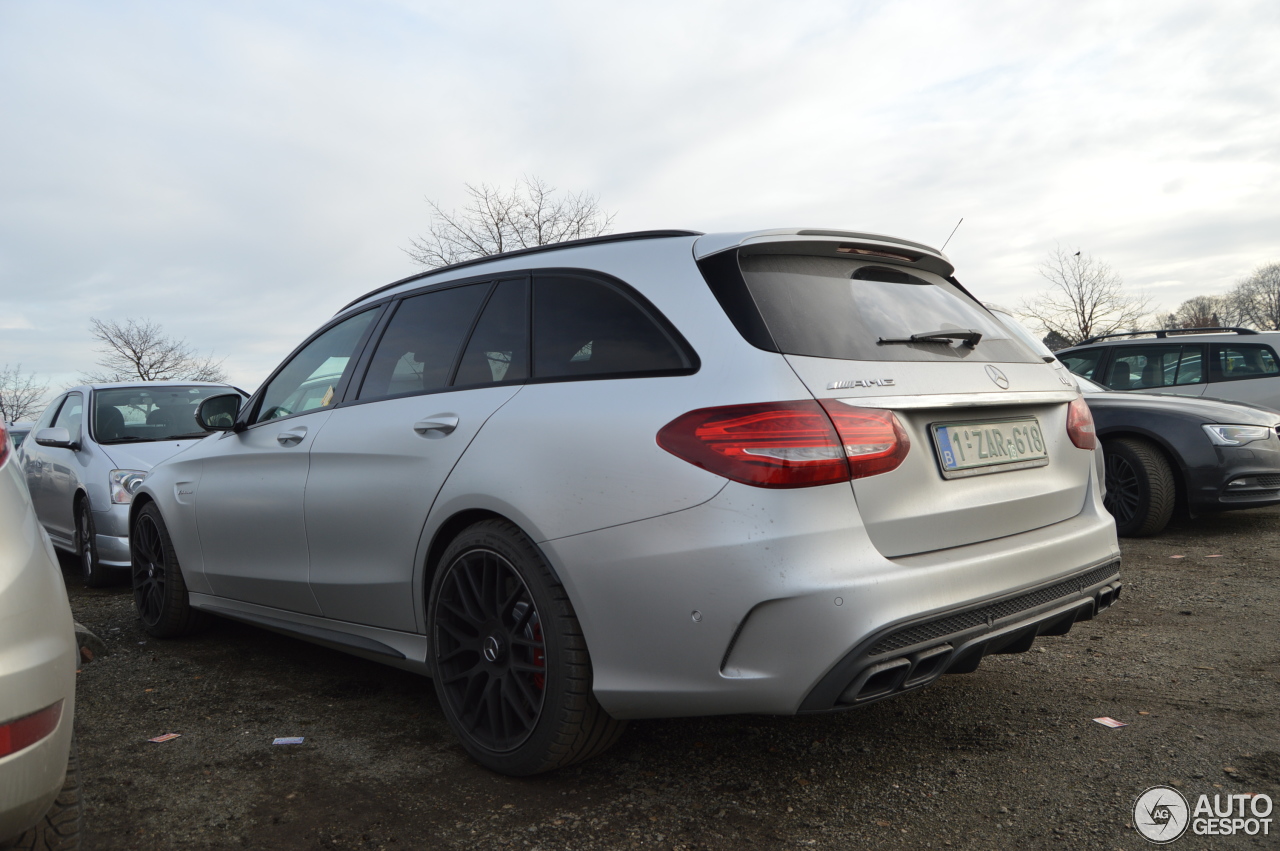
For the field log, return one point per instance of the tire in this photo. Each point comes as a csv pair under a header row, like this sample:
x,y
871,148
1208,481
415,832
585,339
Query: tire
x,y
508,657
59,830
91,569
1141,489
159,591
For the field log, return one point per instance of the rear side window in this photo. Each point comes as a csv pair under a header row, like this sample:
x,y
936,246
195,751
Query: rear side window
x,y
830,307
420,345
1084,363
499,347
1235,361
1147,367
585,327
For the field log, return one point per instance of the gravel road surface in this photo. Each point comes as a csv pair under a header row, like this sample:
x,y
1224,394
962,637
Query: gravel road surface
x,y
1004,757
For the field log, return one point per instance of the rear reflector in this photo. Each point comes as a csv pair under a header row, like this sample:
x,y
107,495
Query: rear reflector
x,y
788,444
26,731
1080,424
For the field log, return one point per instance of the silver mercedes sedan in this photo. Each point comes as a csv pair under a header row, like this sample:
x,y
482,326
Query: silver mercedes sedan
x,y
651,474
82,468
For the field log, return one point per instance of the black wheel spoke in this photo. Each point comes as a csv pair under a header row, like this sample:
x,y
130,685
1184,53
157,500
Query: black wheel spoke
x,y
489,652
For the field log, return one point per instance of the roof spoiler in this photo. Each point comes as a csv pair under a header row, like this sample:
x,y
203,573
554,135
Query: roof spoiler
x,y
831,243
1165,332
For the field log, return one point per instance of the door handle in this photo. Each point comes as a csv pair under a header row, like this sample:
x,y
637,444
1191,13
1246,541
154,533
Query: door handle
x,y
436,426
292,437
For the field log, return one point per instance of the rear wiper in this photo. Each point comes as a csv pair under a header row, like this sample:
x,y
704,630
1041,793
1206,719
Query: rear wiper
x,y
968,336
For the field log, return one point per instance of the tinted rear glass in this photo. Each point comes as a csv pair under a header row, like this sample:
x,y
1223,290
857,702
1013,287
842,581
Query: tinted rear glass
x,y
829,307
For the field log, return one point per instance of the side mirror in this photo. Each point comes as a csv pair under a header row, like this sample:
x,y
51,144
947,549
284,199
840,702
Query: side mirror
x,y
57,438
218,413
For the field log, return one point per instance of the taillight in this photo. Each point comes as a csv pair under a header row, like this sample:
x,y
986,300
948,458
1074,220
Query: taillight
x,y
1080,424
788,444
26,731
874,441
4,444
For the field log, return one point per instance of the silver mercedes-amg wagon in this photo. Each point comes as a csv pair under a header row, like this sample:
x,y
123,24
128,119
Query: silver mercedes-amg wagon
x,y
651,474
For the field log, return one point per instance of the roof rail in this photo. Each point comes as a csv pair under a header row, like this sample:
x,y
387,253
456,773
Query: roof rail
x,y
519,252
1165,332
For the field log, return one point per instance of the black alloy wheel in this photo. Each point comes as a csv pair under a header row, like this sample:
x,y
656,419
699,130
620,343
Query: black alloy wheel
x,y
491,656
1140,487
508,657
92,571
159,591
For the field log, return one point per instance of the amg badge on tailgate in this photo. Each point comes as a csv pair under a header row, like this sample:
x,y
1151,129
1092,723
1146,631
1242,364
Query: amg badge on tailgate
x,y
860,382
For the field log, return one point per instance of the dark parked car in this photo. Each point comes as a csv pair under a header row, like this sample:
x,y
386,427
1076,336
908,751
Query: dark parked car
x,y
1161,450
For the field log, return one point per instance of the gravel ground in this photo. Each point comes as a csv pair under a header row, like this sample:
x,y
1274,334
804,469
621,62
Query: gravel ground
x,y
1007,756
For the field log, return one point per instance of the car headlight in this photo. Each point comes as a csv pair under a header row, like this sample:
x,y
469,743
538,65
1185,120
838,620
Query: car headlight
x,y
1235,435
124,484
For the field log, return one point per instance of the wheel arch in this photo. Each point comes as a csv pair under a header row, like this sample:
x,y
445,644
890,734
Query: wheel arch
x,y
454,526
1181,474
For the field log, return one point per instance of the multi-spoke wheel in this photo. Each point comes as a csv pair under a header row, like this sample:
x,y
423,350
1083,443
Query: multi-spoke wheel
x,y
510,665
1140,487
94,574
159,592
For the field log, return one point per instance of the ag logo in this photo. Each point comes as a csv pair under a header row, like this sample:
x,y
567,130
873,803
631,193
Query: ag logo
x,y
998,377
1161,814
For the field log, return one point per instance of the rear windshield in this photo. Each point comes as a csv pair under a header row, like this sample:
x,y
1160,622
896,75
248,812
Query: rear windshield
x,y
144,414
830,307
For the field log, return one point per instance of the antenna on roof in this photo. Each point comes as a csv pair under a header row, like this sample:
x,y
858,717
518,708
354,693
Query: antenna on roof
x,y
953,233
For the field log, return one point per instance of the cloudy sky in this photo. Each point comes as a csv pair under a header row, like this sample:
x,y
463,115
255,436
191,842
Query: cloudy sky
x,y
237,171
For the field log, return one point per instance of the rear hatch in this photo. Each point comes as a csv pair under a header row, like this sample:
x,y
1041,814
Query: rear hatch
x,y
990,452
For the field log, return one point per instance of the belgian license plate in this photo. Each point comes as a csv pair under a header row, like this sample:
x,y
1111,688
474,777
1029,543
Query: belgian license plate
x,y
978,448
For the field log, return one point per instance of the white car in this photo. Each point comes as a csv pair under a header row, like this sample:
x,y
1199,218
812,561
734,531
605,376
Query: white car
x,y
39,783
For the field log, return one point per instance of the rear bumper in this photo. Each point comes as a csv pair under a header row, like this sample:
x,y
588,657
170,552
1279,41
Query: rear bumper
x,y
770,601
912,654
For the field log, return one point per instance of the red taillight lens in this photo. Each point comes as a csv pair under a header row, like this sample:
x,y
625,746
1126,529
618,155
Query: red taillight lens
x,y
1080,424
873,439
4,444
26,731
788,444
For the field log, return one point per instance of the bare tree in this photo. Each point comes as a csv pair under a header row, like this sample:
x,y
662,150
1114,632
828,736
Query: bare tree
x,y
1085,299
1257,297
1202,311
496,220
138,350
21,396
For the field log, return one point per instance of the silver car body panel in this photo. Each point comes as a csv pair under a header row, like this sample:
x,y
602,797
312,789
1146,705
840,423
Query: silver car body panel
x,y
334,532
38,656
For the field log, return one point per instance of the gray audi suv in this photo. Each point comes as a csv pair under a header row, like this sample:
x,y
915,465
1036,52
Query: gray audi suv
x,y
651,474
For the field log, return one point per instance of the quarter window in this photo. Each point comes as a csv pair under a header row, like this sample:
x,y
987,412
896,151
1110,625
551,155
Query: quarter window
x,y
1236,361
421,342
585,327
312,376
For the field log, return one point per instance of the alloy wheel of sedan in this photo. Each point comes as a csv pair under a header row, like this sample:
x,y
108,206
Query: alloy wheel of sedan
x,y
1123,489
1141,488
148,570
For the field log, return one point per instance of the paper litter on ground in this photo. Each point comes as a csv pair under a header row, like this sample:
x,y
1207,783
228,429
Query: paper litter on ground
x,y
1110,722
288,740
166,737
